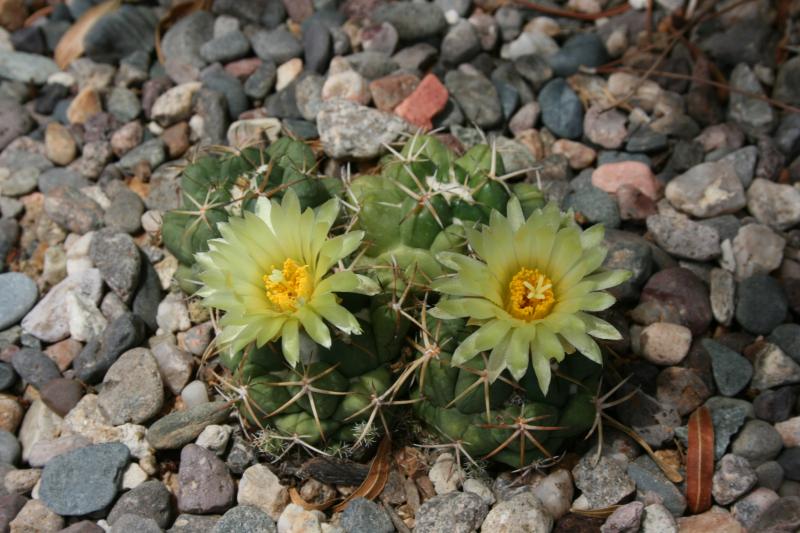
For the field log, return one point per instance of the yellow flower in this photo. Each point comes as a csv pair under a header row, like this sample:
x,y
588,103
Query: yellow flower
x,y
531,293
269,274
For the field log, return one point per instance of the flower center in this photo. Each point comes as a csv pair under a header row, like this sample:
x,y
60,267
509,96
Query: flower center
x,y
530,295
289,286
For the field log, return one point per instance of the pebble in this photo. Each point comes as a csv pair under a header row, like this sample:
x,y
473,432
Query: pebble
x,y
150,500
761,304
413,21
610,177
7,376
523,512
21,481
226,47
365,516
261,488
780,516
716,519
450,513
122,334
194,394
85,480
682,237
749,509
757,442
295,519
43,451
732,372
245,518
347,85
261,81
215,438
132,390
174,105
751,113
476,96
174,364
722,287
775,405
785,82
653,485
133,522
562,111
278,45
427,100
774,204
445,474
348,130
603,484
49,319
380,38
26,68
555,492
790,432
72,210
119,261
10,413
34,367
36,516
707,190
10,448
10,506
18,294
389,91
125,212
733,478
658,519
150,152
461,43
182,42
189,523
204,482
770,475
787,337
682,389
625,518
182,427
665,344
757,250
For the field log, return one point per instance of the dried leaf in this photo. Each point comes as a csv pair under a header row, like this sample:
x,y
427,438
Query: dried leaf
x,y
70,47
175,13
603,512
668,471
377,477
298,500
700,461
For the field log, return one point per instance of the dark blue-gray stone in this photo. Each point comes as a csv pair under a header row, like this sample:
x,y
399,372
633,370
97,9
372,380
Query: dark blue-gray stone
x,y
122,334
596,206
787,337
85,480
365,516
10,448
35,367
150,500
732,372
583,49
650,479
761,304
413,21
245,519
317,47
218,79
562,111
18,294
7,376
120,33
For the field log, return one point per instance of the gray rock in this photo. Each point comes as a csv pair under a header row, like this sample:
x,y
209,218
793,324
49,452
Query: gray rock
x,y
683,237
757,442
125,212
781,516
757,250
624,519
182,42
204,482
774,204
190,523
524,510
371,65
707,190
733,478
308,96
132,389
582,49
752,114
182,427
365,516
770,475
212,107
150,500
732,372
121,33
454,512
460,44
34,367
416,57
134,522
598,207
349,130
278,45
317,46
123,104
122,334
245,519
744,163
10,506
775,405
26,68
413,21
787,82
151,151
52,178
603,484
261,82
476,96
773,368
84,526
218,79
148,295
119,261
658,519
7,376
10,448
789,460
761,304
18,294
73,210
787,337
227,47
651,481
84,480
562,111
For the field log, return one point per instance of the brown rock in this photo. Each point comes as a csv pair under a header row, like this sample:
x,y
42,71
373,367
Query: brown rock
x,y
243,68
389,91
10,413
716,519
532,140
634,204
61,395
59,145
176,139
682,389
86,104
679,296
62,353
12,14
579,156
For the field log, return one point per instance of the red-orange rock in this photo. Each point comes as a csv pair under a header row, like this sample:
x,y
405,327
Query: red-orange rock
x,y
427,100
389,91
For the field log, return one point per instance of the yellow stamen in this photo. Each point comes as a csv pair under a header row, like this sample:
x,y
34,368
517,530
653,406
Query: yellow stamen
x,y
530,295
289,286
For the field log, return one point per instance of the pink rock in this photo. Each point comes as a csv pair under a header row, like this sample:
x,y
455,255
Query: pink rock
x,y
428,99
717,519
243,67
611,176
634,204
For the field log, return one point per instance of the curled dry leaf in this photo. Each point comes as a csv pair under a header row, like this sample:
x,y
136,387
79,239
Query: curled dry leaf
x,y
377,477
70,47
298,500
700,461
